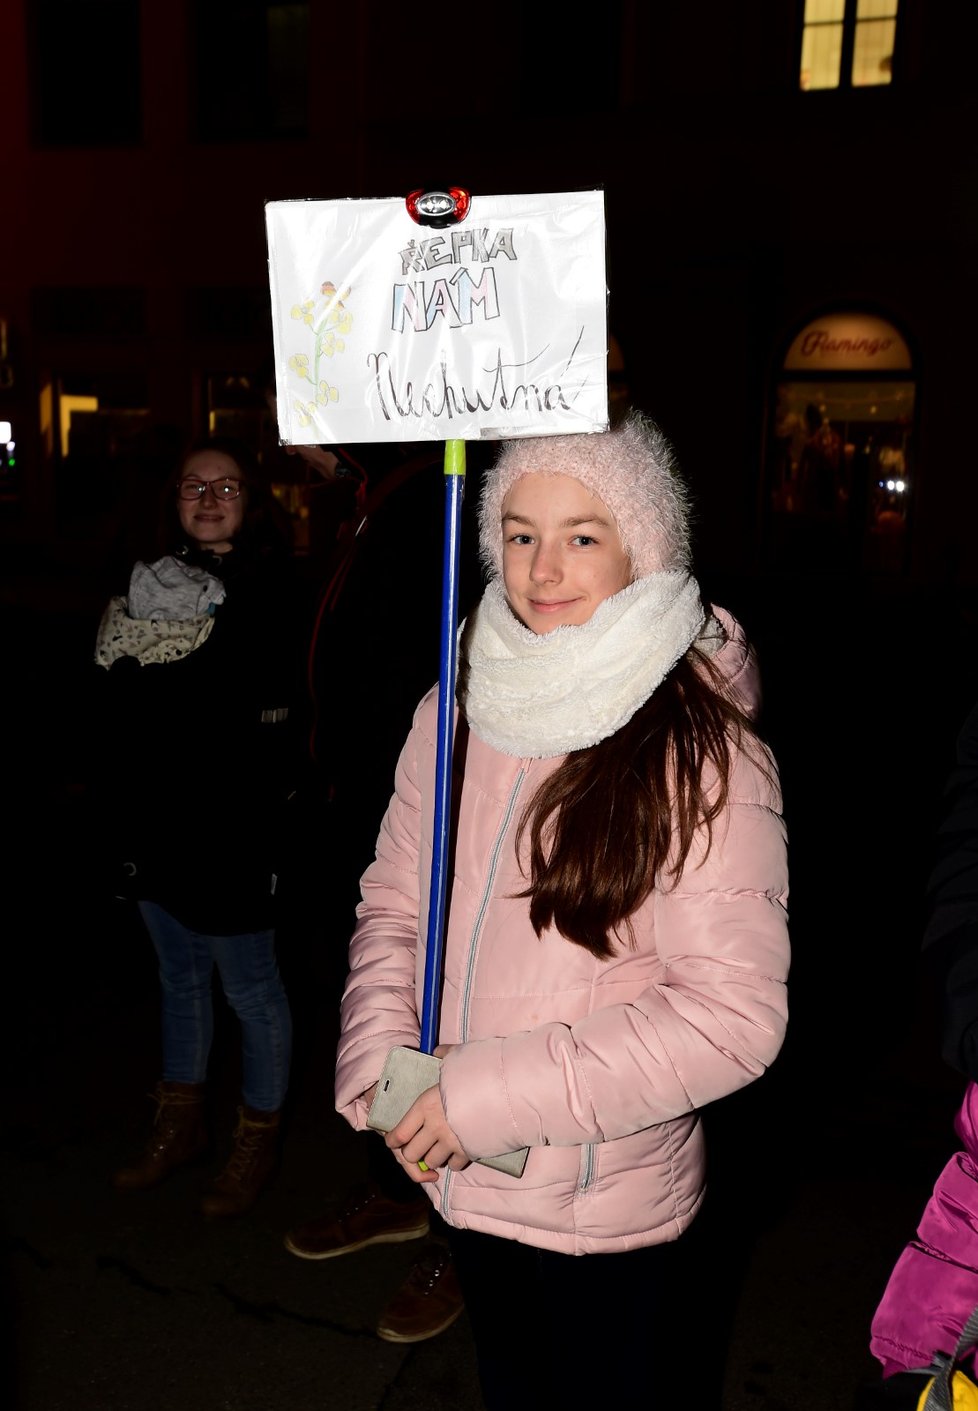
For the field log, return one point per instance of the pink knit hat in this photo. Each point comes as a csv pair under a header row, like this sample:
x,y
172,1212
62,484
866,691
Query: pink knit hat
x,y
631,469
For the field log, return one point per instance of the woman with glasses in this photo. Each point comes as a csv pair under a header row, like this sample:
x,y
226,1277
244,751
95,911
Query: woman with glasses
x,y
202,676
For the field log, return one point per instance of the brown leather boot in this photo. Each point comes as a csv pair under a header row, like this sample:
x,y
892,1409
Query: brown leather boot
x,y
179,1135
428,1301
251,1167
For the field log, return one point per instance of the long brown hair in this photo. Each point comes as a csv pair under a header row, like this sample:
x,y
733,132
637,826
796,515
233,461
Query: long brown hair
x,y
614,818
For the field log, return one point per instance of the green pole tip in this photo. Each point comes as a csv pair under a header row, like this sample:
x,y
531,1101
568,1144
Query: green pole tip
x,y
454,457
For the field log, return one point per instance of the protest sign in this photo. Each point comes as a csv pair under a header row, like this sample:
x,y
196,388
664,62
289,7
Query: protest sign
x,y
385,330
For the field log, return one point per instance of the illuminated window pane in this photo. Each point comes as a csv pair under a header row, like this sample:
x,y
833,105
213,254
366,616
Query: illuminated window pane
x,y
862,32
824,11
821,56
876,9
872,55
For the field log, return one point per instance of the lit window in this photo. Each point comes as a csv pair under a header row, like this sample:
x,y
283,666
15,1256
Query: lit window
x,y
821,43
872,54
847,43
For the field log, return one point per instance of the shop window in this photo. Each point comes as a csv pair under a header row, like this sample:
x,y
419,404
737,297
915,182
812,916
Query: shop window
x,y
9,472
848,44
85,67
840,475
251,70
92,423
236,407
11,419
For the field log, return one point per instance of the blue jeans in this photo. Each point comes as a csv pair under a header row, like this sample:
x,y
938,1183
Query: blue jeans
x,y
254,990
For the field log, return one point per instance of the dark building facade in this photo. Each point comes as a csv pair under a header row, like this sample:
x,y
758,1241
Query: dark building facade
x,y
790,190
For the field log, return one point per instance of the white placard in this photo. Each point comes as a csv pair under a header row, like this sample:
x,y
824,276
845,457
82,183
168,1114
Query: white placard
x,y
387,330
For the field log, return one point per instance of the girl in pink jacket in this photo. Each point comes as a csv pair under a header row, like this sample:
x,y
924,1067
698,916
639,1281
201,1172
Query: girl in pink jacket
x,y
616,948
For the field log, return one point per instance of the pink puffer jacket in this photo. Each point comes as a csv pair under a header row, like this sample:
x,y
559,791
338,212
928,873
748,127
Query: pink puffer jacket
x,y
599,1066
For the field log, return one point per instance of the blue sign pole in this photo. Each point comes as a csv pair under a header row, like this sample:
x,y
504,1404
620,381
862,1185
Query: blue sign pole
x,y
438,895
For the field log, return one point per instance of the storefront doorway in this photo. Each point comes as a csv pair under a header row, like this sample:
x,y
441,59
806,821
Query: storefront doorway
x,y
839,478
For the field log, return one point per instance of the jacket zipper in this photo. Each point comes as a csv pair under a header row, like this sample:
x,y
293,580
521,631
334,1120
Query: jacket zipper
x,y
484,904
476,928
587,1168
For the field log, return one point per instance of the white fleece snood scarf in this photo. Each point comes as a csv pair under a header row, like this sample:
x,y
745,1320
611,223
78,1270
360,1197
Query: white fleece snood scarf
x,y
541,696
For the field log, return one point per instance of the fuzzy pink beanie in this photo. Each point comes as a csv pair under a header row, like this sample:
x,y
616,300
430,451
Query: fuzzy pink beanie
x,y
630,468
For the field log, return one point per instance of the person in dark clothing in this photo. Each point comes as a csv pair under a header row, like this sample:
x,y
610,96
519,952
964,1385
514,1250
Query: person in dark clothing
x,y
361,675
932,1291
365,681
200,681
821,470
951,934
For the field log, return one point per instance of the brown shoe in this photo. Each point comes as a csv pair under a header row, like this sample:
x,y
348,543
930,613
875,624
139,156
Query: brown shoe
x,y
251,1167
179,1135
367,1217
427,1302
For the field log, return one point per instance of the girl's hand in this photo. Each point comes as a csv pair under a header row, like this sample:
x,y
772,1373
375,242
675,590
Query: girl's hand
x,y
423,1141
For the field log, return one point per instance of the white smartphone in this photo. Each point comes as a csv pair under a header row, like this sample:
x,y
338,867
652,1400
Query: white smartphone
x,y
407,1073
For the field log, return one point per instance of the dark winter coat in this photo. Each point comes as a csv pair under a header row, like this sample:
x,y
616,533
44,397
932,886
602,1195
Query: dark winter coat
x,y
198,757
375,649
951,935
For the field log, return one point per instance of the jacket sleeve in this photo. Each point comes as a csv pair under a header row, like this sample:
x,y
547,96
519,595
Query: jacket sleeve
x,y
713,1020
379,1009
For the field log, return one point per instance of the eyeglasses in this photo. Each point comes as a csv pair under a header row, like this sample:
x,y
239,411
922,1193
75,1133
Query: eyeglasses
x,y
227,489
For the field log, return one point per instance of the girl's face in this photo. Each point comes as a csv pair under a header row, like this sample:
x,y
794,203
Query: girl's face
x,y
210,519
562,553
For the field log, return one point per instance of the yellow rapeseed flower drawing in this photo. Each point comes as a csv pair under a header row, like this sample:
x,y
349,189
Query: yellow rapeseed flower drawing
x,y
340,319
334,321
330,344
